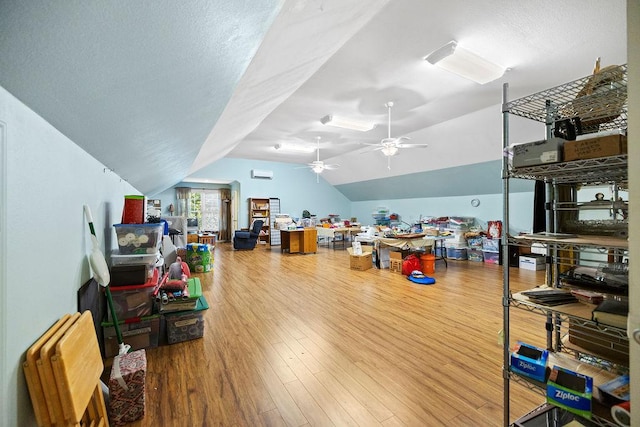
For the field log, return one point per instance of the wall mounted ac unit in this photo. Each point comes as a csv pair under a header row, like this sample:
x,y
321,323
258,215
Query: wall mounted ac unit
x,y
261,174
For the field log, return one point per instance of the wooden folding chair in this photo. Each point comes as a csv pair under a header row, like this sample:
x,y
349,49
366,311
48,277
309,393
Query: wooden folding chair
x,y
46,372
77,366
32,376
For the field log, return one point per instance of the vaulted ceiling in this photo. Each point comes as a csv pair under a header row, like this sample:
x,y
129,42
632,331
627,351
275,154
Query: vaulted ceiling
x,y
159,90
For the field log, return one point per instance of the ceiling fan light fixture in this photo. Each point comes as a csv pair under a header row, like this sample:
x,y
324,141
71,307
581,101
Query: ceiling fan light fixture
x,y
294,148
390,150
457,60
317,168
347,123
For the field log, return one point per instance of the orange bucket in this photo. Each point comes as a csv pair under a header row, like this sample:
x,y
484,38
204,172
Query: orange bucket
x,y
428,263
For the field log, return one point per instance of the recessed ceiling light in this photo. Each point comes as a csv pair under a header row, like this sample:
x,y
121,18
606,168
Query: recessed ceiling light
x,y
455,59
294,148
347,123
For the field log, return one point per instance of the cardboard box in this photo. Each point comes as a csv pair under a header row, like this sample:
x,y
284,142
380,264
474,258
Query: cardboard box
x,y
400,254
529,361
531,262
127,388
361,262
538,152
605,146
570,390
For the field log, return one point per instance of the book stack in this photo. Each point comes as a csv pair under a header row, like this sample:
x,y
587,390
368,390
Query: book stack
x,y
550,297
611,312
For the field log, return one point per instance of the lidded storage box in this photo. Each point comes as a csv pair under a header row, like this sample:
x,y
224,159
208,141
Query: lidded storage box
x,y
139,238
186,325
139,333
135,300
121,263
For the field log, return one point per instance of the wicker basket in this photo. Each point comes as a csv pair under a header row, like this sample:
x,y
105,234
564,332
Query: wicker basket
x,y
602,98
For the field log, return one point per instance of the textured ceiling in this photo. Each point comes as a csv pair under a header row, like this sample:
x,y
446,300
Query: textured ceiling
x,y
158,90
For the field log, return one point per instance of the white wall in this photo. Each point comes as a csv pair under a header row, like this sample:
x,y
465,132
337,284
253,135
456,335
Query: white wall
x,y
490,208
45,238
295,186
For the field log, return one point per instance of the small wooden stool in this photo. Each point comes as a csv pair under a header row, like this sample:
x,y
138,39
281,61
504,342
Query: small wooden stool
x,y
395,265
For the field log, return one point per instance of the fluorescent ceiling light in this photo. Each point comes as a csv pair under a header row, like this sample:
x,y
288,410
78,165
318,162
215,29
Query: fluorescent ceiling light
x,y
294,148
460,61
347,123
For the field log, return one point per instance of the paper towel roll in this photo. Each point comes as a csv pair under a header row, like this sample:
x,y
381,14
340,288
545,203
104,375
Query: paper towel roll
x,y
621,414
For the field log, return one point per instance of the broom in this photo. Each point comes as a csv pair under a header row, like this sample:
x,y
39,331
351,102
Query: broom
x,y
101,274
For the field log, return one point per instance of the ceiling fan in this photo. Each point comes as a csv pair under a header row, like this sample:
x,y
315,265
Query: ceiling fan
x,y
389,146
318,166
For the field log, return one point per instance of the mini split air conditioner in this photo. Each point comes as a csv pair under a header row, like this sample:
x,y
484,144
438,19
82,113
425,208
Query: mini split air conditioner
x,y
261,174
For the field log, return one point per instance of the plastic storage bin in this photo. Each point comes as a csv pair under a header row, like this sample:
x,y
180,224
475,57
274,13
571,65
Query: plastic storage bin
x,y
139,238
133,301
149,260
460,223
475,255
475,242
490,245
491,257
139,333
186,325
457,253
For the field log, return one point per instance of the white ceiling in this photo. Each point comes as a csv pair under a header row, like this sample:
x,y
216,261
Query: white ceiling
x,y
159,90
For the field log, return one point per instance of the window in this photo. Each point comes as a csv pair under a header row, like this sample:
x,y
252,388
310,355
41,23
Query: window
x,y
204,205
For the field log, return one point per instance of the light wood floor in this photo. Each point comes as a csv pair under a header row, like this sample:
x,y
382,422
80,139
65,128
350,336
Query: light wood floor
x,y
302,340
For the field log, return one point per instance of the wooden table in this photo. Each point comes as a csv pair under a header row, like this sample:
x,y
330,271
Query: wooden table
x,y
412,242
330,232
300,240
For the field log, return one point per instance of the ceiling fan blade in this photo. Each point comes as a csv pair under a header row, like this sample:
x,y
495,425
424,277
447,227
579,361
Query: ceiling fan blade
x,y
412,145
331,167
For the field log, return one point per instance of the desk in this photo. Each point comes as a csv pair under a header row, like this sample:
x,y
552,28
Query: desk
x,y
300,240
331,233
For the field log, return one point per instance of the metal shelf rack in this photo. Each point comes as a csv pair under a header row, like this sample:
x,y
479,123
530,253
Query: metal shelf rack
x,y
600,102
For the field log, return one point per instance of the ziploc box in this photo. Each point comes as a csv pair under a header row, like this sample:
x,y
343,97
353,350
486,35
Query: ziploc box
x,y
570,391
529,361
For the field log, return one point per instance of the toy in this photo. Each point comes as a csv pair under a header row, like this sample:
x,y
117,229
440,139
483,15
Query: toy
x,y
179,270
173,283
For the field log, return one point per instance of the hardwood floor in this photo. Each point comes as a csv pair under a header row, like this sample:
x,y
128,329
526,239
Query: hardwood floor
x,y
302,340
